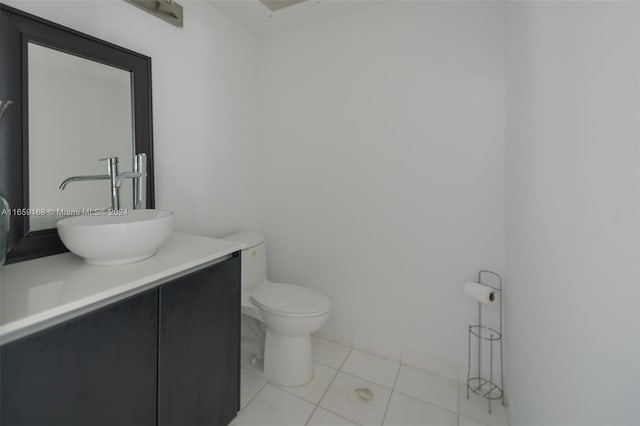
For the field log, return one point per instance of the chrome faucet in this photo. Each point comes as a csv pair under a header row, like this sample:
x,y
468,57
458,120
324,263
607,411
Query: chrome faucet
x,y
116,179
140,186
112,172
68,180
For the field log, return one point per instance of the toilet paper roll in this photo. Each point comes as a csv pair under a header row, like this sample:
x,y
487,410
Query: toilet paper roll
x,y
480,292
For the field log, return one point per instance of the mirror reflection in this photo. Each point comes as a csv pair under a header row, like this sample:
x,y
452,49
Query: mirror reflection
x,y
80,111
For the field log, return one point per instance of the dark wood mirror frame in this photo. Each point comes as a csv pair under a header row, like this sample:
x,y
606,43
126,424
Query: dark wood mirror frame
x,y
17,29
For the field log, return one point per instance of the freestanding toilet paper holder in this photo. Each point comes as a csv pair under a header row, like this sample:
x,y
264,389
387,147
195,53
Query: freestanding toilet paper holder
x,y
488,388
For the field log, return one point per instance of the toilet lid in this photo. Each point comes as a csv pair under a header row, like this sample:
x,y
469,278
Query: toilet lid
x,y
290,299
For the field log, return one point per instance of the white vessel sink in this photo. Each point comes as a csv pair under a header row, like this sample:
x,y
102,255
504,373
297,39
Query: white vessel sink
x,y
116,240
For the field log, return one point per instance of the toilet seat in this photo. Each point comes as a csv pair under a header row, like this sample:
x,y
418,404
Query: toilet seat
x,y
290,300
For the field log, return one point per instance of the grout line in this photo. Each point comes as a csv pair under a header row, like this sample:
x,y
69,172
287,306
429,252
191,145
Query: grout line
x,y
327,365
341,416
256,394
345,359
286,389
458,392
426,402
358,378
378,355
368,381
311,415
400,361
431,372
253,397
326,390
332,341
282,388
395,382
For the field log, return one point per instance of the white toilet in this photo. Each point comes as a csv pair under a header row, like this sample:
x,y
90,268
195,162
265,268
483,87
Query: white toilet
x,y
289,312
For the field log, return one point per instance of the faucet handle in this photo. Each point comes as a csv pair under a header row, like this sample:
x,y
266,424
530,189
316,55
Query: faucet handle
x,y
112,167
140,187
110,159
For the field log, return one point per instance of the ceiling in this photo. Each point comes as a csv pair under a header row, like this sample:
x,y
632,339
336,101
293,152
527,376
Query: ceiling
x,y
279,4
258,18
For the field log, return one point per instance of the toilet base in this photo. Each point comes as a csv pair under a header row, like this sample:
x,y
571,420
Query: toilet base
x,y
287,360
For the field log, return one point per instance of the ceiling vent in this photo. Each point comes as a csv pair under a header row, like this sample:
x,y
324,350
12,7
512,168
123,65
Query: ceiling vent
x,y
167,10
274,5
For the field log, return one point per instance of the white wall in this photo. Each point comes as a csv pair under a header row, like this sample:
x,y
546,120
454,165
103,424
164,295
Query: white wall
x,y
204,91
383,144
572,251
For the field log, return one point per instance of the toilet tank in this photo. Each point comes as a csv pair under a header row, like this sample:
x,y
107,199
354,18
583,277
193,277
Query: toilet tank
x,y
253,258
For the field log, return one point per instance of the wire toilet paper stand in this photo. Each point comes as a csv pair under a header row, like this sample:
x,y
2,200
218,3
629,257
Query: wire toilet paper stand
x,y
488,388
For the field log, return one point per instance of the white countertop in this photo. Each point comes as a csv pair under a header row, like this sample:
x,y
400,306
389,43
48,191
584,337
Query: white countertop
x,y
39,293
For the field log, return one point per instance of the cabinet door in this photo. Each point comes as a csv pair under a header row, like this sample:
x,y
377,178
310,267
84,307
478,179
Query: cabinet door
x,y
198,376
97,369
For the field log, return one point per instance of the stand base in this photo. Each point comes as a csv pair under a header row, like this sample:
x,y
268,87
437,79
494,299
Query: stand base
x,y
486,389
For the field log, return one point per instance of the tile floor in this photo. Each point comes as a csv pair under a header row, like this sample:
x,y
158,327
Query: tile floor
x,y
402,395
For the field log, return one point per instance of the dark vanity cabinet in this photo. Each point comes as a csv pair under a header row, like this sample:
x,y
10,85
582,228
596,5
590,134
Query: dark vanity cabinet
x,y
198,363
99,369
168,356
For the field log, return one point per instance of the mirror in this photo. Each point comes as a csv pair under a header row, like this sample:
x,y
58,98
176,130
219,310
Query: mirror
x,y
74,99
67,138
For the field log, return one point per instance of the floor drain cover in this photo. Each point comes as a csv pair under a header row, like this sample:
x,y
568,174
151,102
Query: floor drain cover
x,y
364,393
